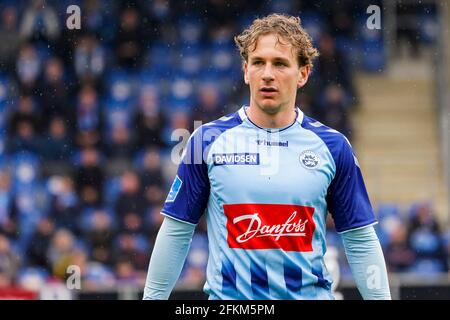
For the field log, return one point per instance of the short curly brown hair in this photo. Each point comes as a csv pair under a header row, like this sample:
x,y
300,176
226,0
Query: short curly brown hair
x,y
287,27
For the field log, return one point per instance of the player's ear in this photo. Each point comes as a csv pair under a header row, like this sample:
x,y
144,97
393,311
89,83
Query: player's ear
x,y
303,75
245,68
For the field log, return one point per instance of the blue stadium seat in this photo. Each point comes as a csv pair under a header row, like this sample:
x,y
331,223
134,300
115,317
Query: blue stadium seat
x,y
245,20
4,115
222,58
190,30
87,215
281,6
117,114
149,77
415,207
427,268
387,209
429,28
160,57
32,204
348,47
25,168
3,139
76,158
4,83
191,60
120,85
372,51
98,273
388,216
314,24
181,93
142,243
111,190
425,241
30,275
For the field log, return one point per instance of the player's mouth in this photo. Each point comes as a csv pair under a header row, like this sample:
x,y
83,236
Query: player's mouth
x,y
268,91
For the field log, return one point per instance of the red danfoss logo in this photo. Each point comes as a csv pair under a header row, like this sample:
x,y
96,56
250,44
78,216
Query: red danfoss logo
x,y
270,226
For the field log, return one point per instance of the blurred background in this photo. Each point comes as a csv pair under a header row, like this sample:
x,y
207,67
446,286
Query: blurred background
x,y
86,118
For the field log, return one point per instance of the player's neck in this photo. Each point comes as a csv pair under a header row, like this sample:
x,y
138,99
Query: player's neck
x,y
262,119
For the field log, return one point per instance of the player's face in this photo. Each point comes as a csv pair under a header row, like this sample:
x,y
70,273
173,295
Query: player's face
x,y
273,74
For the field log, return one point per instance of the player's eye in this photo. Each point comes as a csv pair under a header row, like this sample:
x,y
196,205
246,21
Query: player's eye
x,y
257,63
280,64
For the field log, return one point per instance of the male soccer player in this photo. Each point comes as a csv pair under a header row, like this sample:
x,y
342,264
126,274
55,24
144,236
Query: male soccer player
x,y
265,177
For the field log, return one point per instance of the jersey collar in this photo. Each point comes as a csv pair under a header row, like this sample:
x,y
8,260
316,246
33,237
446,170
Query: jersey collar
x,y
243,115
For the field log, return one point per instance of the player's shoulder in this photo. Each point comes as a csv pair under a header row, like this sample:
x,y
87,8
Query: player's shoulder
x,y
224,123
334,139
322,130
206,134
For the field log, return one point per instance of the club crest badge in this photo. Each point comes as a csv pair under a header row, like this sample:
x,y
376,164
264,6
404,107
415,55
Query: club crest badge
x,y
309,159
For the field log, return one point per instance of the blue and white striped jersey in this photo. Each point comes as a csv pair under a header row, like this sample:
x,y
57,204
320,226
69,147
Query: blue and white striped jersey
x,y
266,194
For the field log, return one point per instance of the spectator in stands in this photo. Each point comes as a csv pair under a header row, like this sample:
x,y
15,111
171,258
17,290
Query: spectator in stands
x,y
87,119
128,250
25,138
8,209
341,22
222,13
89,178
40,22
26,111
151,172
121,144
153,220
87,138
54,92
208,105
399,254
160,10
179,119
9,262
57,145
152,176
125,271
407,27
130,206
61,252
153,180
87,111
332,108
154,195
28,68
97,18
99,234
425,237
89,58
332,68
9,37
65,206
40,243
150,120
129,39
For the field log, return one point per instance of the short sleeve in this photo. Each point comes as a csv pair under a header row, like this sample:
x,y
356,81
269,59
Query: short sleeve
x,y
188,195
347,198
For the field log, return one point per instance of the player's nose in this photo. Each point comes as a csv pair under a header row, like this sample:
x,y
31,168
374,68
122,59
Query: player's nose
x,y
268,72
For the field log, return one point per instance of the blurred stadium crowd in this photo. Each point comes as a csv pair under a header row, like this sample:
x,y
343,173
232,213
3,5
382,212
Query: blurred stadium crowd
x,y
86,118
